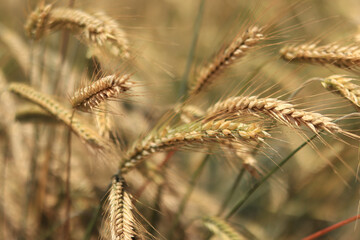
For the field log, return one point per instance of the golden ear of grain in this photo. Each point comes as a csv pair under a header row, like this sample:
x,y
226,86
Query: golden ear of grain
x,y
88,98
221,228
96,30
35,25
343,86
347,57
279,110
193,134
77,125
235,51
121,218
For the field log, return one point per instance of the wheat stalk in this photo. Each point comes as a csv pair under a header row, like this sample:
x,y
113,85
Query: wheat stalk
x,y
95,30
189,113
121,218
280,110
191,134
341,56
77,125
16,46
221,228
227,56
103,121
343,86
89,97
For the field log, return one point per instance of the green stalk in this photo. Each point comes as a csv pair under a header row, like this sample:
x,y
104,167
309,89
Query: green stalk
x,y
266,177
230,194
184,79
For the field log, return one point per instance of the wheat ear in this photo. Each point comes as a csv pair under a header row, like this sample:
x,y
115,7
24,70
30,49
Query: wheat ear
x,y
121,218
341,56
217,132
280,110
221,228
77,125
95,30
343,86
227,56
88,98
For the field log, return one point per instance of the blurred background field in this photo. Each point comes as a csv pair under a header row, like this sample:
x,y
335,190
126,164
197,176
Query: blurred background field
x,y
313,190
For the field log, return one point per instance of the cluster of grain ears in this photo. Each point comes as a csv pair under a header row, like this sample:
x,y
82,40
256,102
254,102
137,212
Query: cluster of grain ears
x,y
97,30
220,125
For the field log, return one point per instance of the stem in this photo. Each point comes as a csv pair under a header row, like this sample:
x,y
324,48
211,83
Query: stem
x,y
63,51
184,79
232,191
266,177
95,216
187,195
332,227
67,186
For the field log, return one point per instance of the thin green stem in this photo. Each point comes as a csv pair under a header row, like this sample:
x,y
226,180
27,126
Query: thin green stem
x,y
95,216
230,194
266,177
197,25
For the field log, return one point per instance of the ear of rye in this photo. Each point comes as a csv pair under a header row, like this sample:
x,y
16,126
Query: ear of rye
x,y
121,219
88,98
226,57
193,134
282,111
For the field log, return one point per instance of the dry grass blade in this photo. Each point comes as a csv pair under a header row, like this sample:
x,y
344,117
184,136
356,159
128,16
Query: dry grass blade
x,y
95,30
221,228
236,50
88,98
347,57
49,104
213,132
280,110
121,219
343,86
34,113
